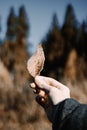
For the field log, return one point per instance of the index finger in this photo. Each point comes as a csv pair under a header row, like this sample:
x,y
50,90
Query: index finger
x,y
42,82
46,83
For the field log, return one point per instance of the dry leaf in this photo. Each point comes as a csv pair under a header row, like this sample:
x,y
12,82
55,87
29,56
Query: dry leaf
x,y
36,62
35,65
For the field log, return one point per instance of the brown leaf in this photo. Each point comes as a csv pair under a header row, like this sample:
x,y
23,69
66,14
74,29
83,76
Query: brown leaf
x,y
36,62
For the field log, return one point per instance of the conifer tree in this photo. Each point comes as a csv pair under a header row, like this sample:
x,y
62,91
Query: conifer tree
x,y
86,38
81,41
69,29
70,19
11,23
22,24
0,29
53,46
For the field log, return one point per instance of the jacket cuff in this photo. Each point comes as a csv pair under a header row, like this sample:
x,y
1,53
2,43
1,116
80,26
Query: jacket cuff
x,y
62,110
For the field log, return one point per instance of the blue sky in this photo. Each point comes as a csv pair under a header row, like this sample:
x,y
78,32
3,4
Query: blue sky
x,y
40,14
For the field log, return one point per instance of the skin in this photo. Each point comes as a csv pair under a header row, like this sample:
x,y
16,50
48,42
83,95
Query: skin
x,y
56,91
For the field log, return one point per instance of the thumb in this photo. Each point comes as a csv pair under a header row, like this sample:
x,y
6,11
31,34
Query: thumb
x,y
42,83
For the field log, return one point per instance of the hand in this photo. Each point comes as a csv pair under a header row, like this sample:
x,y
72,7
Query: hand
x,y
56,91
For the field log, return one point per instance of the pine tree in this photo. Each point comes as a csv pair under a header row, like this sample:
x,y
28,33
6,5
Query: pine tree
x,y
22,24
0,29
70,19
11,23
53,46
69,29
55,23
81,41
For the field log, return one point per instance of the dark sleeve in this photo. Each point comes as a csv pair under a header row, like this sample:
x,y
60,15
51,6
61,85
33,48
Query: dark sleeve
x,y
70,115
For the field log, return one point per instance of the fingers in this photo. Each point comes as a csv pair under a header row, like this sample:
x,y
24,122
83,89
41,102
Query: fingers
x,y
43,103
42,97
42,82
46,83
39,92
51,88
33,85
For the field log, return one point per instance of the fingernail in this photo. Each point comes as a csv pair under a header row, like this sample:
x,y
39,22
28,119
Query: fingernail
x,y
32,85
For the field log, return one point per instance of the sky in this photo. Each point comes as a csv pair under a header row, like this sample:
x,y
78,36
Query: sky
x,y
40,13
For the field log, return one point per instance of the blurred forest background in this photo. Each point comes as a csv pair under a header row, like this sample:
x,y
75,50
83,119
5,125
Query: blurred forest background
x,y
66,60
